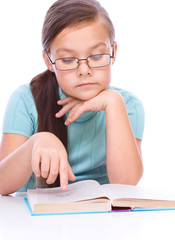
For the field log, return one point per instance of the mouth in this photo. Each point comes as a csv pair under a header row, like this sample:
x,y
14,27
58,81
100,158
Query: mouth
x,y
86,84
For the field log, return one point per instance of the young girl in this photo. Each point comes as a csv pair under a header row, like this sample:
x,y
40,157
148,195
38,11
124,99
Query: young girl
x,y
68,124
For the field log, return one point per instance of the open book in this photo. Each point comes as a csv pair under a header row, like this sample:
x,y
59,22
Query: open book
x,y
90,196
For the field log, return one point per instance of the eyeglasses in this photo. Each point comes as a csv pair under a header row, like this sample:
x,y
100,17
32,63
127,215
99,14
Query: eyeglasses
x,y
71,63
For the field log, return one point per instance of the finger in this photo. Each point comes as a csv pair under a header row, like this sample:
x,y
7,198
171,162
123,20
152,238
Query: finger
x,y
45,166
67,108
64,100
71,175
36,163
79,109
75,113
64,175
54,170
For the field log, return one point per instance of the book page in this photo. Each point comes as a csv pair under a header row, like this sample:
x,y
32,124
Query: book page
x,y
118,191
78,191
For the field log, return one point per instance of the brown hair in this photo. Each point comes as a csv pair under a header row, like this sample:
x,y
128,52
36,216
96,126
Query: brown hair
x,y
44,87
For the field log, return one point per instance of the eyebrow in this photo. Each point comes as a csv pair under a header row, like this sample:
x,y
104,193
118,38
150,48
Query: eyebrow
x,y
100,44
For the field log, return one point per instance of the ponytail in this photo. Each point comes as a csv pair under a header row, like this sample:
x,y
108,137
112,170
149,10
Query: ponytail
x,y
45,90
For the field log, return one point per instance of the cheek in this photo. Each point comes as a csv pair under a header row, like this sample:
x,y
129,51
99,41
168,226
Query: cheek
x,y
105,77
64,80
109,75
61,77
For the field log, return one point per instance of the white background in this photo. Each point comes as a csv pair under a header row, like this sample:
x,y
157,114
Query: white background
x,y
145,66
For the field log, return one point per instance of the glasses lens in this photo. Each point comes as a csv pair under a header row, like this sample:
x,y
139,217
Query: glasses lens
x,y
66,63
95,61
100,60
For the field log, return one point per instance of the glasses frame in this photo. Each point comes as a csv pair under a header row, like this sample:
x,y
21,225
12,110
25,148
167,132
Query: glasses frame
x,y
81,59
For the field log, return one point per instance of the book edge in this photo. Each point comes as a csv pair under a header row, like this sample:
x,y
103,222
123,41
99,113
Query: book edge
x,y
66,213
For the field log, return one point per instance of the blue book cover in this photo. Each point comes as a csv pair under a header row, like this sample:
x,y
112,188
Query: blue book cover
x,y
113,211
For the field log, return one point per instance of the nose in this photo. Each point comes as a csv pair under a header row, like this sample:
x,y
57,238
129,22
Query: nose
x,y
83,68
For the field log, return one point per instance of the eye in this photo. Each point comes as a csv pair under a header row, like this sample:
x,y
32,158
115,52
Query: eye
x,y
67,60
96,57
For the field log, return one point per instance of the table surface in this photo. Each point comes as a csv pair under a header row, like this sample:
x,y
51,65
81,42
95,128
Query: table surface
x,y
17,223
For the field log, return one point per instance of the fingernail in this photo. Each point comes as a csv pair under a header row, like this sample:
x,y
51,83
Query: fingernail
x,y
59,101
68,121
64,187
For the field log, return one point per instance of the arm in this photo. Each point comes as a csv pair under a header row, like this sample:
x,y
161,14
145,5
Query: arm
x,y
20,156
15,166
124,162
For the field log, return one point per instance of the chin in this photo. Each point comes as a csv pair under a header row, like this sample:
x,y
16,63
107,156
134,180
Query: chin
x,y
85,97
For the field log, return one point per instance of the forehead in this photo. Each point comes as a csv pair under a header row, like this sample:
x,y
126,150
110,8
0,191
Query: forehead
x,y
84,36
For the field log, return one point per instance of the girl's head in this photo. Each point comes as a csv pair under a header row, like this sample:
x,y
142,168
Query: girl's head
x,y
71,13
78,29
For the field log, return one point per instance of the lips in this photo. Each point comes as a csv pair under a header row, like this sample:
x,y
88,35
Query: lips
x,y
86,84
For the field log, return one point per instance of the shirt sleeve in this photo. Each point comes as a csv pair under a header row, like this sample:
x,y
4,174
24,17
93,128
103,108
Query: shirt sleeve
x,y
135,111
136,115
20,116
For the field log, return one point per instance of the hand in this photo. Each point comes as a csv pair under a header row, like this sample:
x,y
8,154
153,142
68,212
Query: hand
x,y
49,158
78,107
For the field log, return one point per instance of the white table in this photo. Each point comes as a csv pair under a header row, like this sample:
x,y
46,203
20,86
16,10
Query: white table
x,y
17,223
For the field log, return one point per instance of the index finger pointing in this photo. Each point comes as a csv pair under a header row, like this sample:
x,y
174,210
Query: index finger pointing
x,y
63,175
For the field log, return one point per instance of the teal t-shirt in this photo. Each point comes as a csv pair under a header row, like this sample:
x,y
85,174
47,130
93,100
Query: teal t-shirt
x,y
86,136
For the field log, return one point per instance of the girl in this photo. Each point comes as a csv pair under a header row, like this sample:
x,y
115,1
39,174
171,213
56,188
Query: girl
x,y
69,124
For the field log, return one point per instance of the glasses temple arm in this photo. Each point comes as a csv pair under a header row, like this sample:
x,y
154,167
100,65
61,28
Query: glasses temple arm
x,y
49,57
112,51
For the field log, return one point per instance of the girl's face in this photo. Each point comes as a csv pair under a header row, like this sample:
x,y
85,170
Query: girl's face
x,y
81,42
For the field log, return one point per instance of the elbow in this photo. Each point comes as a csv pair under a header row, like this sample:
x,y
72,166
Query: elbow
x,y
134,180
136,177
128,179
4,191
4,194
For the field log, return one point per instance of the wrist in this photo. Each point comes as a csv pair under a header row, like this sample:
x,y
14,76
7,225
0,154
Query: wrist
x,y
114,100
32,139
38,135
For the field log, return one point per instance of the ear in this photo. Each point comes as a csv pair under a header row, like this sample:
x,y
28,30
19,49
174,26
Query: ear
x,y
47,62
115,51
